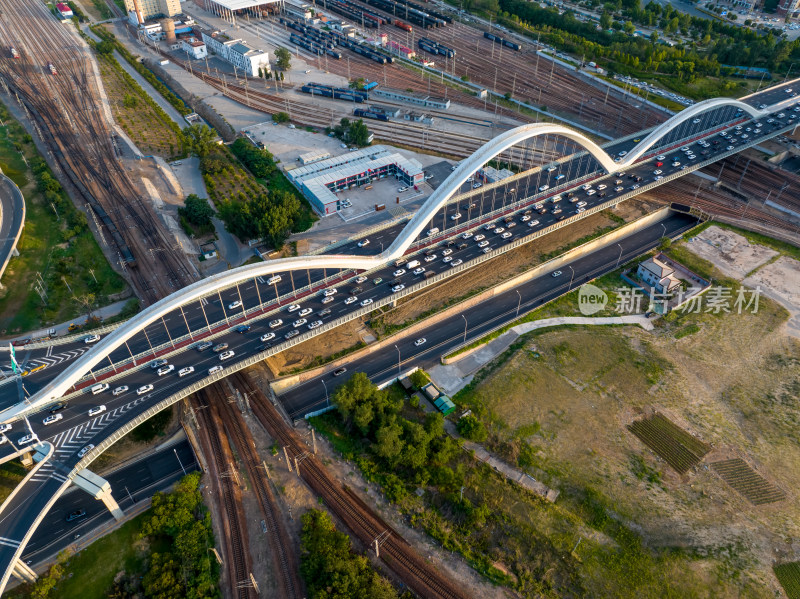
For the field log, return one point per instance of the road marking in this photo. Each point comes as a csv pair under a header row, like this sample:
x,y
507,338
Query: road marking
x,y
9,542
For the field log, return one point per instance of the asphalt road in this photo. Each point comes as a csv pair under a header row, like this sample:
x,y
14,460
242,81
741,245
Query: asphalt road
x,y
11,219
384,365
129,485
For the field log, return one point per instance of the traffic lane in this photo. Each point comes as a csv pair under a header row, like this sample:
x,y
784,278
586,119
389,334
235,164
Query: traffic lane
x,y
480,319
129,485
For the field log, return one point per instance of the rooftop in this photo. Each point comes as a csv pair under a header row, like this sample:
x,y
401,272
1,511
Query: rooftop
x,y
242,4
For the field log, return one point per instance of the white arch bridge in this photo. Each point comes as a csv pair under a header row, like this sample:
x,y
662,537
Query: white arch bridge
x,y
77,369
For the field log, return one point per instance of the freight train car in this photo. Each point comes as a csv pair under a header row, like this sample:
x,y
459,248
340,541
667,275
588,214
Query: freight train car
x,y
368,114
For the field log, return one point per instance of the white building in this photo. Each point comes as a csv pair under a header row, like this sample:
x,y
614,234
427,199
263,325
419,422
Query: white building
x,y
236,52
195,48
659,275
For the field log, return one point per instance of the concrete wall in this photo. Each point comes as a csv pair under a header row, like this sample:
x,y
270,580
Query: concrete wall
x,y
283,384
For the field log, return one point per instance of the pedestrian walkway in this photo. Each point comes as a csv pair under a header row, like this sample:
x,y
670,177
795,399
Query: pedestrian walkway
x,y
457,374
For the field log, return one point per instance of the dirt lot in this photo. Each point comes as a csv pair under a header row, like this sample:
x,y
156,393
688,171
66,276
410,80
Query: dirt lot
x,y
732,380
730,252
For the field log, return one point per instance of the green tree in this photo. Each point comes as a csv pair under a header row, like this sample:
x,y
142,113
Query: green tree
x,y
358,133
418,378
605,20
199,139
281,117
197,211
104,48
283,58
472,428
629,27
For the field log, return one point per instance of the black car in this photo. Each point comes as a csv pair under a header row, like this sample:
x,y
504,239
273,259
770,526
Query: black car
x,y
220,347
394,282
429,252
204,345
356,290
339,371
157,363
243,328
263,347
74,515
58,407
324,312
450,242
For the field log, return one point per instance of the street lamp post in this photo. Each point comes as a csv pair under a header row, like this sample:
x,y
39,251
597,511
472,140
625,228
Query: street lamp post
x,y
179,461
327,399
398,360
663,226
519,303
620,255
465,327
571,278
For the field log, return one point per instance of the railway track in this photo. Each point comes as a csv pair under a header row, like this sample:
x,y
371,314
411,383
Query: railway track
x,y
285,562
395,551
235,539
760,181
69,112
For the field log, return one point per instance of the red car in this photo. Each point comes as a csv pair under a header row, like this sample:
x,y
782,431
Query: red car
x,y
659,164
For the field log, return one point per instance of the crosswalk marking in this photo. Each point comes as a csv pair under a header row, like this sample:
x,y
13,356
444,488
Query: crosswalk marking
x,y
53,359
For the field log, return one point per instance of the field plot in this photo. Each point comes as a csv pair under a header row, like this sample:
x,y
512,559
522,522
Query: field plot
x,y
673,444
739,475
140,117
789,577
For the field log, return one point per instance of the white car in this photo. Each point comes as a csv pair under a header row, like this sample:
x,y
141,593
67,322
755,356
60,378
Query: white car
x,y
483,244
315,324
397,288
402,189
214,369
274,279
525,218
99,388
327,299
100,409
26,440
431,258
544,187
3,439
486,250
185,371
91,339
556,273
305,312
729,148
293,308
695,121
447,259
420,341
591,192
506,235
5,427
234,305
579,210
660,157
601,186
467,235
399,272
226,355
166,369
366,302
676,163
363,243
53,418
144,389
117,391
85,450
499,230
299,322
330,292
361,279
586,187
480,237
456,216
657,172
267,336
447,252
275,323
417,271
533,223
477,185
456,262
350,300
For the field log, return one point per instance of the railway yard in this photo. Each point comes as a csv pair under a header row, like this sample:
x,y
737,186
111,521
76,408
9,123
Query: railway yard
x,y
54,75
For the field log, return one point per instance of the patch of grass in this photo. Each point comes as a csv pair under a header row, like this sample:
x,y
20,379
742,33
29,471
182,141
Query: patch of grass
x,y
58,251
90,573
689,329
11,473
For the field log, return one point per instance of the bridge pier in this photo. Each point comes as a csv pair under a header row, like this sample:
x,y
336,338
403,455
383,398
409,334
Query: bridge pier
x,y
23,572
100,489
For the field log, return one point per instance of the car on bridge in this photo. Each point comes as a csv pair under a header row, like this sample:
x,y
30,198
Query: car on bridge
x,y
85,450
361,279
317,323
400,272
299,322
467,235
267,336
185,371
234,305
274,279
293,308
26,440
456,262
91,339
76,514
350,300
144,389
363,243
157,363
62,405
204,345
220,347
118,391
339,371
5,427
418,271
420,341
214,369
226,355
52,419
275,323
291,334
556,273
305,312
99,388
243,328
397,288
430,258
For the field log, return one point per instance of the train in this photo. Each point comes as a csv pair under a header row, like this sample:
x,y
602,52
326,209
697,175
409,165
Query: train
x,y
370,85
52,68
435,47
369,114
404,26
325,42
14,53
337,93
499,40
411,12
